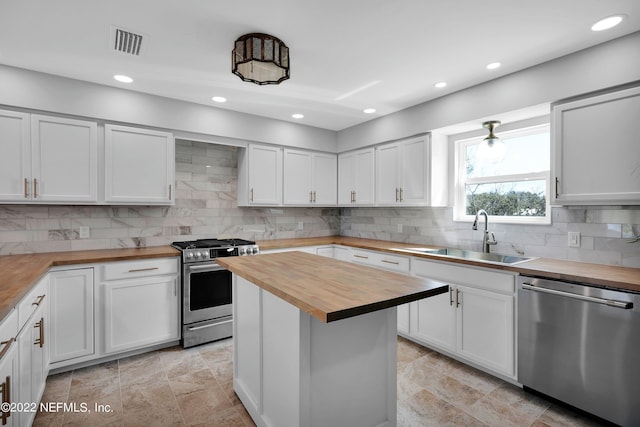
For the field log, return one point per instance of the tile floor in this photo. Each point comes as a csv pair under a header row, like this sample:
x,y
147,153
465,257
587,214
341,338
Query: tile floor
x,y
193,387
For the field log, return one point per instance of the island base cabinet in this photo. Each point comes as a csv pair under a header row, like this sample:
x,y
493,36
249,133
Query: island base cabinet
x,y
291,369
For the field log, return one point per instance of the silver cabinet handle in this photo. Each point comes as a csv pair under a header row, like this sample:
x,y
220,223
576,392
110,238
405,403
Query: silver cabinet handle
x,y
450,296
397,195
401,194
390,262
195,328
361,256
251,199
457,297
169,191
612,303
35,188
26,188
136,270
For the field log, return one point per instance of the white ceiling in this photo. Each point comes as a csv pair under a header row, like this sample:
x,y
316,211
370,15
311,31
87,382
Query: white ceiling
x,y
346,55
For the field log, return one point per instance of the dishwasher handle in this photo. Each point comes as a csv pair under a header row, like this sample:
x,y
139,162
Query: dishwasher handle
x,y
626,305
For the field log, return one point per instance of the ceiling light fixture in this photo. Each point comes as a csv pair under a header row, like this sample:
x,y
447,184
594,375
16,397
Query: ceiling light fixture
x,y
492,148
493,65
261,59
219,99
123,79
369,110
297,116
606,23
440,85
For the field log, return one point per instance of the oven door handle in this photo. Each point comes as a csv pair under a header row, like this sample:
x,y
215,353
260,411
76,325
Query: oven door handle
x,y
208,267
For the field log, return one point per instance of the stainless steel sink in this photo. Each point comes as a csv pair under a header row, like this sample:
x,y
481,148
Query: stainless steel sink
x,y
472,255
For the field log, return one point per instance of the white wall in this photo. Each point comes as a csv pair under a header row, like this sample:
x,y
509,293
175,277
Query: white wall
x,y
38,91
609,64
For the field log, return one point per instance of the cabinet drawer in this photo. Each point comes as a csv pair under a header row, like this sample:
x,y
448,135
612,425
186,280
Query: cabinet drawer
x,y
131,269
8,331
32,301
476,277
381,260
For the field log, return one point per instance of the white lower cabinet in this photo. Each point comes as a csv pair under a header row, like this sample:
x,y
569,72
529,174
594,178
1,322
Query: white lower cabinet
x,y
108,309
138,313
8,367
475,321
33,342
72,314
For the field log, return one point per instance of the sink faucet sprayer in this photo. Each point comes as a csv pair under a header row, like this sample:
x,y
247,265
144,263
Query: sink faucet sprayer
x,y
486,241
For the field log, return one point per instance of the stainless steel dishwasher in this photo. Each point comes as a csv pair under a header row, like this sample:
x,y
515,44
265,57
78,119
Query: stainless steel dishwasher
x,y
580,344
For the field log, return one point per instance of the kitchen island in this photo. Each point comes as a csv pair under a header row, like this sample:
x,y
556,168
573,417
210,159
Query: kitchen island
x,y
315,338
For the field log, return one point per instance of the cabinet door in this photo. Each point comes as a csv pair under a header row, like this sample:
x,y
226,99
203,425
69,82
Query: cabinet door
x,y
595,149
403,319
414,175
365,177
297,178
433,321
139,166
64,160
387,174
31,363
485,331
71,314
8,382
346,178
265,175
325,179
15,161
140,312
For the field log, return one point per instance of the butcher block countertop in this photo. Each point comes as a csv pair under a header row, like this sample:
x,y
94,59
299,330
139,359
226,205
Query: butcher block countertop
x,y
18,273
625,278
330,289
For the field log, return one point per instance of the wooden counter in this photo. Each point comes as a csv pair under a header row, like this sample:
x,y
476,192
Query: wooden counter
x,y
18,273
330,289
624,278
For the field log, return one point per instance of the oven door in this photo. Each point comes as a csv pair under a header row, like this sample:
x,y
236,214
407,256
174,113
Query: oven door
x,y
206,292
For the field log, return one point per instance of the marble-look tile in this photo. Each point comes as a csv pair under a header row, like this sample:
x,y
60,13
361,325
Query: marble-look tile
x,y
141,367
150,402
559,416
507,406
201,406
425,409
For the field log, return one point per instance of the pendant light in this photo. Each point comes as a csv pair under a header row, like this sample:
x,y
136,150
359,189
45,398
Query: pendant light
x,y
492,148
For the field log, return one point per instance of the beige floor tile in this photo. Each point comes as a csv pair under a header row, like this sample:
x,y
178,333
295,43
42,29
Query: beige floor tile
x,y
204,406
191,382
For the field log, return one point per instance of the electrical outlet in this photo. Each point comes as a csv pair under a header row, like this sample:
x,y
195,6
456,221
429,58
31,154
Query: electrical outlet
x,y
574,239
300,225
84,232
399,228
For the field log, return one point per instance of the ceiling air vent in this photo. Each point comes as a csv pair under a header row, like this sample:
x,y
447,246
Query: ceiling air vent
x,y
127,42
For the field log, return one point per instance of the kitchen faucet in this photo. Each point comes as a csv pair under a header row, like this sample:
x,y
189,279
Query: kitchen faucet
x,y
486,241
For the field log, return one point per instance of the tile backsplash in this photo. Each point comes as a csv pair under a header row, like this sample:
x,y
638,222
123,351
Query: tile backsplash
x,y
206,206
608,234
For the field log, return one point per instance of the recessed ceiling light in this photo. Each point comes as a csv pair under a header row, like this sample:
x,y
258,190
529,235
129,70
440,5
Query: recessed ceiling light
x,y
440,84
606,23
219,99
493,65
297,116
123,79
369,110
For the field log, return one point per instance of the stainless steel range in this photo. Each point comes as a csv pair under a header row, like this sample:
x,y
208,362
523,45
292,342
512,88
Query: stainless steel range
x,y
206,288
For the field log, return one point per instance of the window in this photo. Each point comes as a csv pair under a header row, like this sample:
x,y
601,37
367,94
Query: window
x,y
513,188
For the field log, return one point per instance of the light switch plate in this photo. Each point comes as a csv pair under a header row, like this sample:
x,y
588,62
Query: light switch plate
x,y
574,239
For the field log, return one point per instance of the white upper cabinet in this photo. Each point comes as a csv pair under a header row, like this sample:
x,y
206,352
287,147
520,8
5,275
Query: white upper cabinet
x,y
595,149
356,177
47,159
406,171
310,178
139,166
15,161
260,175
64,160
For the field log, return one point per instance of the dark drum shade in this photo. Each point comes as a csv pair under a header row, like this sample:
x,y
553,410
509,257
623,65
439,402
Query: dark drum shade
x,y
261,59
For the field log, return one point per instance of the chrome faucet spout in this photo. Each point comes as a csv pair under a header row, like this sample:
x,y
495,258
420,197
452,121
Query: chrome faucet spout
x,y
486,240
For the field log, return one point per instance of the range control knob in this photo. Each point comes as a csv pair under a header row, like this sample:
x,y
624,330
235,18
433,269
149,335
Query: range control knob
x,y
198,255
254,250
189,255
242,251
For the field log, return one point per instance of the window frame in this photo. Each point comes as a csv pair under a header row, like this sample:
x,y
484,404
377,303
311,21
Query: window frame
x,y
461,180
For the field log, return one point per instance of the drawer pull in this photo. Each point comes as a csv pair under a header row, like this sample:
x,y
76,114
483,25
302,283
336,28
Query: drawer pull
x,y
450,296
457,297
6,398
390,262
39,300
35,188
136,270
361,256
26,188
7,345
